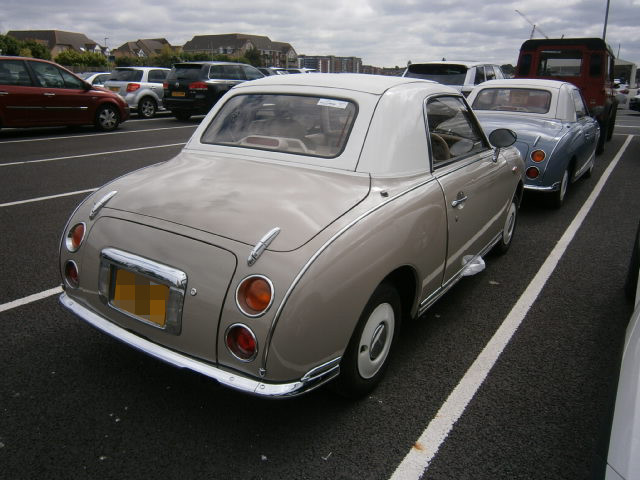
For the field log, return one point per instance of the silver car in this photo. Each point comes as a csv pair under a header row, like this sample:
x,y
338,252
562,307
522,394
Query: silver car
x,y
461,75
307,216
141,87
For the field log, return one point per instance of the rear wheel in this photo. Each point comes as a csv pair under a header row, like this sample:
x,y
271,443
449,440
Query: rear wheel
x,y
181,115
107,118
147,107
367,354
558,196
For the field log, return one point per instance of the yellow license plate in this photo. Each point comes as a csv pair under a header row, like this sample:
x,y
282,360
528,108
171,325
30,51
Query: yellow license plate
x,y
114,89
177,94
141,297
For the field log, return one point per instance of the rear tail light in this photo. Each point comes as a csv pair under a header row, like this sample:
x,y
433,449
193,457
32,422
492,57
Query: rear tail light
x,y
132,87
625,91
254,295
241,342
197,86
75,236
538,156
533,172
71,275
165,84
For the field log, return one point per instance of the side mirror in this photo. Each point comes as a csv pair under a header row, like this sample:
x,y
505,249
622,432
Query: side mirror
x,y
501,138
87,86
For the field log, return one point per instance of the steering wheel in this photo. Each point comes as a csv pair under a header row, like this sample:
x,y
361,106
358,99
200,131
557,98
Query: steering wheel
x,y
439,147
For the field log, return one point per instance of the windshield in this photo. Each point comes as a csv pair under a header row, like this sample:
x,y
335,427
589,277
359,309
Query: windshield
x,y
304,125
447,74
513,100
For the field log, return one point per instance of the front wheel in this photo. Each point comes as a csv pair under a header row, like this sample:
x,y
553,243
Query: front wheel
x,y
107,118
367,354
558,197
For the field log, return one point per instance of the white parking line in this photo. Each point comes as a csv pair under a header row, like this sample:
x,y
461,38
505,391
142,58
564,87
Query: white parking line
x,y
30,299
95,134
92,154
417,461
39,199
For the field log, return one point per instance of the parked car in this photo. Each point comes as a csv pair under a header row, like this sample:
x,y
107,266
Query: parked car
x,y
300,70
96,79
462,76
192,88
36,93
621,92
141,87
634,103
623,460
556,136
304,219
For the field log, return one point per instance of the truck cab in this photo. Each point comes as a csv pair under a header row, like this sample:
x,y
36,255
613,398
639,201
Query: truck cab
x,y
586,62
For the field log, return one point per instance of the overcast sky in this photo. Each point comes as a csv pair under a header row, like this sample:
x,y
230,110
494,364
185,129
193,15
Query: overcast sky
x,y
381,32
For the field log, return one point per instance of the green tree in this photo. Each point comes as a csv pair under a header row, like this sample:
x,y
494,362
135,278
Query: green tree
x,y
253,57
38,50
9,45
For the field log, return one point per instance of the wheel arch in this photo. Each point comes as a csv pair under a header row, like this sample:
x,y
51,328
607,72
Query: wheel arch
x,y
405,280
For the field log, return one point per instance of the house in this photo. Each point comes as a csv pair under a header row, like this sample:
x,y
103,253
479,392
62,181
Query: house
x,y
58,41
144,47
273,54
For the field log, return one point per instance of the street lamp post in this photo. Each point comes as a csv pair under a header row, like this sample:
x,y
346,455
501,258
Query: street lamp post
x,y
606,19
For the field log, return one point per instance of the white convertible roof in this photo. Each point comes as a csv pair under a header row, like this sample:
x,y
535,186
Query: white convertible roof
x,y
374,84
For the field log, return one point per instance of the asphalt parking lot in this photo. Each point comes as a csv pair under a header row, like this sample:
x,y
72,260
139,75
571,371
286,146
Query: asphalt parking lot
x,y
75,403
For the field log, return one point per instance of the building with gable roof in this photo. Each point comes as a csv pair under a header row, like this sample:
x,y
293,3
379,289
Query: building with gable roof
x,y
273,54
58,41
144,47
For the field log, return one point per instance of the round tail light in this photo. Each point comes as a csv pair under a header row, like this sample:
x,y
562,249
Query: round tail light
x,y
533,172
241,342
71,274
254,295
538,156
75,236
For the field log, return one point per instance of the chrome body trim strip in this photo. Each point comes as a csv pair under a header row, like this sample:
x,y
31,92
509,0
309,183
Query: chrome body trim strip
x,y
101,203
431,299
175,279
262,245
313,379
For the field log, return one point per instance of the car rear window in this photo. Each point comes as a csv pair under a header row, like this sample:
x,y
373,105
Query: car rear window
x,y
513,100
448,74
188,72
303,125
126,75
560,63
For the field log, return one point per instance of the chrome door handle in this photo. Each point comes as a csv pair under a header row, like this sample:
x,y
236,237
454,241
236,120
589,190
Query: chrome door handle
x,y
49,94
4,93
459,201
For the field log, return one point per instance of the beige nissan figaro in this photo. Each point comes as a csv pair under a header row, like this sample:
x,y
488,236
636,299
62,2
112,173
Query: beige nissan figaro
x,y
303,220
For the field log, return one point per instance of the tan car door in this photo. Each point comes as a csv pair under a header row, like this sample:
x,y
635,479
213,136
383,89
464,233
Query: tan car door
x,y
476,188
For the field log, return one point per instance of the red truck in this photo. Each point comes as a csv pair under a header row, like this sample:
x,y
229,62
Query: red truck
x,y
585,62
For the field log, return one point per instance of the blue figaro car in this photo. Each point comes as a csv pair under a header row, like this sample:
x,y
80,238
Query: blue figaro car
x,y
556,135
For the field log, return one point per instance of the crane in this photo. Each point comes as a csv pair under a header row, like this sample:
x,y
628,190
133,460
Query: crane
x,y
533,30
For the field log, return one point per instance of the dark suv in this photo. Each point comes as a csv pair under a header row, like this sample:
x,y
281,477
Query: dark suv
x,y
194,87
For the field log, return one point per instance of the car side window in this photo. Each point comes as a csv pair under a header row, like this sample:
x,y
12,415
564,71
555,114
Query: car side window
x,y
14,72
251,73
48,75
479,75
70,81
581,109
157,76
489,72
453,132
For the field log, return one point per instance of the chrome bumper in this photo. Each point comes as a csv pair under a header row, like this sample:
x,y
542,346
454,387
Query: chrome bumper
x,y
311,380
553,188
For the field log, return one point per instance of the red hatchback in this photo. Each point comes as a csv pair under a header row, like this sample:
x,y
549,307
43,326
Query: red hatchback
x,y
37,93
